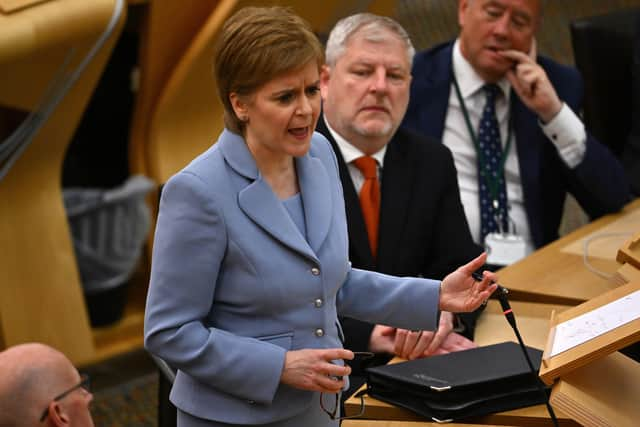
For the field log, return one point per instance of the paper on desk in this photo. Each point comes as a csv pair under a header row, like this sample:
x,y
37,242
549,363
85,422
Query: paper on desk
x,y
606,241
589,325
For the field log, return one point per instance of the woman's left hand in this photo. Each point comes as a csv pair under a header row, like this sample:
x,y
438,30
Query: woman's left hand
x,y
460,292
313,369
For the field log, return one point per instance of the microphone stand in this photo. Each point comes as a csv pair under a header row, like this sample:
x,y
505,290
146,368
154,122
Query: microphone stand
x,y
508,313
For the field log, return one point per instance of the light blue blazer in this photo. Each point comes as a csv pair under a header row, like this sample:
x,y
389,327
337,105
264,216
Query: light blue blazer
x,y
234,284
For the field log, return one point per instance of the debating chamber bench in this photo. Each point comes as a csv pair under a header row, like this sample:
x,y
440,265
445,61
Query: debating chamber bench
x,y
554,278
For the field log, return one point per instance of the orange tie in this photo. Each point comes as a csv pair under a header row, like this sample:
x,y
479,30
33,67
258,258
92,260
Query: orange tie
x,y
370,198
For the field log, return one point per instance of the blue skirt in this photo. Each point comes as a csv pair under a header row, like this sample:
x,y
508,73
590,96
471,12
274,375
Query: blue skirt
x,y
313,416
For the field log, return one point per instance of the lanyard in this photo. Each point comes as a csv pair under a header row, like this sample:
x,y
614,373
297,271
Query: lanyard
x,y
492,183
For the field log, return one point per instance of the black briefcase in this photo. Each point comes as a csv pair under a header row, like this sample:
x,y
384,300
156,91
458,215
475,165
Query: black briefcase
x,y
463,384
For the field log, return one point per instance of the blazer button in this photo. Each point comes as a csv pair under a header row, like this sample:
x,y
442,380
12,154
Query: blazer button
x,y
251,402
315,271
319,332
318,302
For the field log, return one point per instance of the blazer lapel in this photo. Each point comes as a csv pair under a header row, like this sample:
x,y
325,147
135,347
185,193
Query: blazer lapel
x,y
396,191
315,188
358,240
435,83
258,201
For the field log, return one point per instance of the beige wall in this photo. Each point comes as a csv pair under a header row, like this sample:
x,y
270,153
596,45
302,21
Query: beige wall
x,y
432,21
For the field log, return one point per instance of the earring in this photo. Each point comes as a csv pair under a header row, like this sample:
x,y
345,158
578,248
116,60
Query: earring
x,y
243,118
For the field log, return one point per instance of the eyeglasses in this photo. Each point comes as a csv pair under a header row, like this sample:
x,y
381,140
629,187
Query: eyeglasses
x,y
85,383
333,414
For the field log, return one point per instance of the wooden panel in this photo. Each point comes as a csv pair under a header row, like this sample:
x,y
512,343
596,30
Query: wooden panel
x,y
8,6
383,7
532,320
41,296
601,394
551,275
50,25
167,31
599,345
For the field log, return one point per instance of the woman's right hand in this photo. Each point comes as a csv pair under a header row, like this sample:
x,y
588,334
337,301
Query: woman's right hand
x,y
313,369
460,292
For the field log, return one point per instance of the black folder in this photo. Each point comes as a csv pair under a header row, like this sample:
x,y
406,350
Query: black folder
x,y
462,384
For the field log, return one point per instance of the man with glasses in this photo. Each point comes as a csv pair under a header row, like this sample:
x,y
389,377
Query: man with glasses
x,y
39,386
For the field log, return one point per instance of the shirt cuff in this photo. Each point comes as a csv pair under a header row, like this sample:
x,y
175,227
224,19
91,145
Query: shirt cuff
x,y
566,131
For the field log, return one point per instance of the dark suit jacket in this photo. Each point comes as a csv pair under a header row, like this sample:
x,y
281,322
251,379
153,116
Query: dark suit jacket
x,y
598,183
631,153
423,230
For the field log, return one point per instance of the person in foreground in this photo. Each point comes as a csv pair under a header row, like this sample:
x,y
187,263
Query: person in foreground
x,y
533,147
250,262
39,386
418,226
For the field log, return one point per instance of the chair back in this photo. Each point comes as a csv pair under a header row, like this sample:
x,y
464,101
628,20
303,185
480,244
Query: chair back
x,y
603,50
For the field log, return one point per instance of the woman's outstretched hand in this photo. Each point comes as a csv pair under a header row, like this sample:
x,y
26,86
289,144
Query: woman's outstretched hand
x,y
460,292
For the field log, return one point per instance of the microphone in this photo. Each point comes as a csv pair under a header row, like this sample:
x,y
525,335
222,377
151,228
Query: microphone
x,y
502,293
511,318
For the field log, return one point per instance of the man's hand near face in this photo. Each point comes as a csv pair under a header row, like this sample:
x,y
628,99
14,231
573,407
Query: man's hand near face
x,y
532,85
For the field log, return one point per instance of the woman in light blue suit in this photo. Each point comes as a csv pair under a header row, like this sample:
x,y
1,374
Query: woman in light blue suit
x,y
250,265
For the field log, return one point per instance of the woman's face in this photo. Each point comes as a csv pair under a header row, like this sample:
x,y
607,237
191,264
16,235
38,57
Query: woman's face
x,y
282,114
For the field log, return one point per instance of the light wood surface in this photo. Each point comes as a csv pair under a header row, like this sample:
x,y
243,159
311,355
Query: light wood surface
x,y
10,6
554,276
630,251
595,348
533,323
41,297
374,423
532,320
601,394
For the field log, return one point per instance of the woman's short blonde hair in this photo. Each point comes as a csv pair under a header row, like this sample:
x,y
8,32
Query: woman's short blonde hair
x,y
256,45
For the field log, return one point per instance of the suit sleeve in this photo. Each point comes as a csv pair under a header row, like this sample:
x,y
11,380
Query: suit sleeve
x,y
189,248
402,302
598,183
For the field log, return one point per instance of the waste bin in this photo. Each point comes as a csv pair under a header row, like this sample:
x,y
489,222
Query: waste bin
x,y
109,229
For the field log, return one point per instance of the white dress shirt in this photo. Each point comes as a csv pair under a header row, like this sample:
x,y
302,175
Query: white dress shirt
x,y
350,153
565,131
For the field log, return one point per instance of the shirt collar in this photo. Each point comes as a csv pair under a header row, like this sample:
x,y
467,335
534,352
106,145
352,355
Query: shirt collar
x,y
469,81
351,152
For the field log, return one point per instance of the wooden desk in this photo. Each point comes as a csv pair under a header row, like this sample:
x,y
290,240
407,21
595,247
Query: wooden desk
x,y
533,323
373,423
553,276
